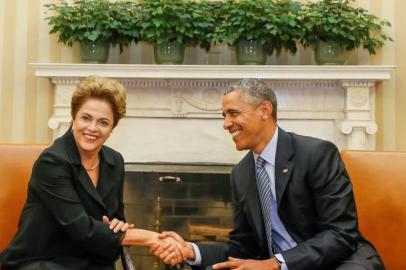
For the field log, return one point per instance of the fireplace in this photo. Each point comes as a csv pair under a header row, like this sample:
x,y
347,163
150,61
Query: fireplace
x,y
192,200
173,129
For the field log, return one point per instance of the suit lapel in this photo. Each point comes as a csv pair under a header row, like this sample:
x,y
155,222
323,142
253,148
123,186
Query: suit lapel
x,y
252,199
87,184
106,175
82,176
283,164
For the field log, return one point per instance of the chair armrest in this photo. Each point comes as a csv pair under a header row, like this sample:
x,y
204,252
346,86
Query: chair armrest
x,y
126,259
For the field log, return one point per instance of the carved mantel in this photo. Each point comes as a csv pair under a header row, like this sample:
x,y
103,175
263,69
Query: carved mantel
x,y
183,101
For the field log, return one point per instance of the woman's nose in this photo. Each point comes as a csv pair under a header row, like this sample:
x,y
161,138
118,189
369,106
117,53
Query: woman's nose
x,y
92,125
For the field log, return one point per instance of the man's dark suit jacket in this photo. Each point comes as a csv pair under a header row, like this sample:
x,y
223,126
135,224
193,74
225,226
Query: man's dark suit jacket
x,y
62,217
315,203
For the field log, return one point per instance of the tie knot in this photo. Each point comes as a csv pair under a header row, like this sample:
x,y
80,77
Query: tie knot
x,y
260,162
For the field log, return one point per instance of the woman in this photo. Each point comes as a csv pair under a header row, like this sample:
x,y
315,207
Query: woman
x,y
76,188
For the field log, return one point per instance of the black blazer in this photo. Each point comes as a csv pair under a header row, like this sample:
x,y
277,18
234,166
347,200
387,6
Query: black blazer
x,y
315,203
62,217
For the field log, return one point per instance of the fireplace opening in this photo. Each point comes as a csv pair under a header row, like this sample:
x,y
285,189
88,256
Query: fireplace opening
x,y
193,200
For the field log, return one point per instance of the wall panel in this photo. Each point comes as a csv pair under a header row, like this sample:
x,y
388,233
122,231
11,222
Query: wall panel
x,y
26,101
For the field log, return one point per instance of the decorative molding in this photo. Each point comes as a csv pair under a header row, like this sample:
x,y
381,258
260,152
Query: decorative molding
x,y
358,97
277,72
360,134
210,100
333,102
348,126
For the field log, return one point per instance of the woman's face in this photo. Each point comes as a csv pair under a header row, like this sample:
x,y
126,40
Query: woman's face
x,y
92,125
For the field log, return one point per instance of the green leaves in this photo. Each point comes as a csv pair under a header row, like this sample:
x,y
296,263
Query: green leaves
x,y
278,24
94,20
273,23
340,22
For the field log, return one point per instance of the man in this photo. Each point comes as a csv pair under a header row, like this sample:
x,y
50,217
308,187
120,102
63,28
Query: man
x,y
292,199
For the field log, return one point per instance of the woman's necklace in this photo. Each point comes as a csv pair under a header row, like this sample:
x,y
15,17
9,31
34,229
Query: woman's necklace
x,y
94,167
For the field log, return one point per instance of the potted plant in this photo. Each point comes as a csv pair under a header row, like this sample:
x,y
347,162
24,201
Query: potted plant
x,y
205,20
95,24
170,25
335,26
259,27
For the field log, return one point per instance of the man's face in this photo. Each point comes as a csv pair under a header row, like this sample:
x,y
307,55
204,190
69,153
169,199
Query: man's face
x,y
245,122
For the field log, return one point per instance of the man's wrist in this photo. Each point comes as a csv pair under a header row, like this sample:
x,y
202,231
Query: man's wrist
x,y
191,251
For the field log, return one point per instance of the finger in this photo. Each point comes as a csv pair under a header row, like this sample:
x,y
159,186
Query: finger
x,y
178,254
163,235
132,226
160,249
165,253
177,237
113,223
228,264
169,259
234,259
106,219
118,227
153,248
125,227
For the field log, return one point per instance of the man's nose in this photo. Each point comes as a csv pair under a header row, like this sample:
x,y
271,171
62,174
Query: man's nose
x,y
227,123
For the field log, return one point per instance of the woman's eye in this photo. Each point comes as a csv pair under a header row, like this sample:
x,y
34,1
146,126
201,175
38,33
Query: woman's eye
x,y
85,117
104,124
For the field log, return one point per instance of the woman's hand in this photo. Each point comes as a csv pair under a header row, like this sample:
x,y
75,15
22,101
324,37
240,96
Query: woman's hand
x,y
117,225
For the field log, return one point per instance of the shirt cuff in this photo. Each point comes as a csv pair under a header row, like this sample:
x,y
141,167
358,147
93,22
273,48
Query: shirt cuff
x,y
198,257
282,260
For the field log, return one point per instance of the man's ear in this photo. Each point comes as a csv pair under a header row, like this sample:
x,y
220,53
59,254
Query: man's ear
x,y
267,109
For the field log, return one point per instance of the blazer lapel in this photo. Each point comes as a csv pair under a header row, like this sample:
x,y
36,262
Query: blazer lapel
x,y
252,199
283,164
106,175
82,176
87,184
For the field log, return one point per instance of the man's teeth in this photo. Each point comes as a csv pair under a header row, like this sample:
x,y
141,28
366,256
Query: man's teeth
x,y
235,133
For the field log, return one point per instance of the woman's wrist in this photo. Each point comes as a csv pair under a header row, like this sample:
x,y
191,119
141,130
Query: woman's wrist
x,y
139,237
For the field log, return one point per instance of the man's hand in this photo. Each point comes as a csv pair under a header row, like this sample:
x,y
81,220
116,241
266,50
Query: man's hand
x,y
169,251
240,264
184,247
117,225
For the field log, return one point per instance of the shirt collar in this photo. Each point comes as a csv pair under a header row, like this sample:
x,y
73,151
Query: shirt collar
x,y
269,152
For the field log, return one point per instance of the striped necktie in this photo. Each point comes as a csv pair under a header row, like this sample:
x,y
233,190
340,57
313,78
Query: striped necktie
x,y
265,197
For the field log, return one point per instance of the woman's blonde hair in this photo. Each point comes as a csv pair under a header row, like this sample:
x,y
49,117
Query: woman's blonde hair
x,y
101,88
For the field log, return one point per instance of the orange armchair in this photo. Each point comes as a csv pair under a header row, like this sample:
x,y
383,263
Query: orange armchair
x,y
15,170
16,163
379,182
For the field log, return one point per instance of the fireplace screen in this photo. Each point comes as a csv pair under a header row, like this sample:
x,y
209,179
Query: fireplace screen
x,y
194,204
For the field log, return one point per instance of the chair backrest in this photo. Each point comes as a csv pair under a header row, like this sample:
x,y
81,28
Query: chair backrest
x,y
379,182
15,170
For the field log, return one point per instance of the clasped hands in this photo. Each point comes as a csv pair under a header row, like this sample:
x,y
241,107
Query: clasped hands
x,y
168,246
187,253
172,249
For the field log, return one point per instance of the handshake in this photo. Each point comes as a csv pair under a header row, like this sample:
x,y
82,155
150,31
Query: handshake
x,y
171,248
168,246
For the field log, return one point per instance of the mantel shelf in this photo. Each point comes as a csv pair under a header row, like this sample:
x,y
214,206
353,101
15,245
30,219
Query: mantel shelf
x,y
335,103
274,72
